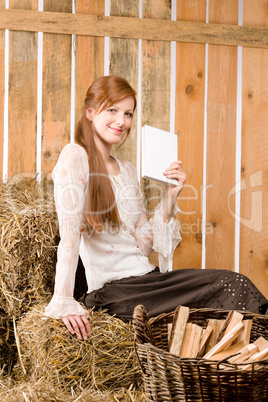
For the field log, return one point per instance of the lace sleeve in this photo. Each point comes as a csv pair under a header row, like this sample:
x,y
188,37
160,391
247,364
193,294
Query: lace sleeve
x,y
70,179
155,234
166,237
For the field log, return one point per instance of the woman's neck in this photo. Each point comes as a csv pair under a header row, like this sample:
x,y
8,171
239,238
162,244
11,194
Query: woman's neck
x,y
110,163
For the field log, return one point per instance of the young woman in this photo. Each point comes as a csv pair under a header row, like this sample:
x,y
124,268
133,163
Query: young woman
x,y
102,219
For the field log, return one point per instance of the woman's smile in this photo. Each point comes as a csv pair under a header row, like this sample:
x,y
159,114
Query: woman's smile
x,y
116,130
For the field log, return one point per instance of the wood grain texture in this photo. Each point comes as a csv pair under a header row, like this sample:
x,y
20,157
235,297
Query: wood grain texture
x,y
123,27
22,97
254,176
155,93
89,55
2,90
56,90
221,142
124,56
189,126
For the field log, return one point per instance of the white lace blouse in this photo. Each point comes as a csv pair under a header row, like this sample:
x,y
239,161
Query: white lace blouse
x,y
108,255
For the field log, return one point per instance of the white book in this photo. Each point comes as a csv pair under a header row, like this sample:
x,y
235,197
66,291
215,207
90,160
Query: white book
x,y
159,150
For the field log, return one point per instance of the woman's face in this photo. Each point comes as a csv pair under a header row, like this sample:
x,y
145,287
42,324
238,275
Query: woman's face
x,y
112,123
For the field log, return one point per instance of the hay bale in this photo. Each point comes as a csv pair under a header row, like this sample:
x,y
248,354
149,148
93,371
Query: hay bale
x,y
29,236
8,349
43,391
106,362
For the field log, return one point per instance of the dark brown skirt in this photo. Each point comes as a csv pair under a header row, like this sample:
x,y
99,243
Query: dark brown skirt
x,y
163,292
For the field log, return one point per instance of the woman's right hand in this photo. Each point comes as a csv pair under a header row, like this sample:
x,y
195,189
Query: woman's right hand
x,y
78,325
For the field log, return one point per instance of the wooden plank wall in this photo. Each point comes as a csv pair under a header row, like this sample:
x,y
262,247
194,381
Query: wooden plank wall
x,y
221,140
22,106
205,110
254,176
2,89
56,89
190,99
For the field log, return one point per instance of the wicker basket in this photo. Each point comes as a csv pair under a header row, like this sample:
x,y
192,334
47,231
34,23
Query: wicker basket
x,y
170,378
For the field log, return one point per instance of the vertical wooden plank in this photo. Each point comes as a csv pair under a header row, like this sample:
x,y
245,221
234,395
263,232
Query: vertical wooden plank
x,y
189,126
89,55
156,71
56,89
124,55
221,141
155,90
254,183
22,97
2,90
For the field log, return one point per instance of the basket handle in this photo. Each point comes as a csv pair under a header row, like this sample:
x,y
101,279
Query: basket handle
x,y
142,329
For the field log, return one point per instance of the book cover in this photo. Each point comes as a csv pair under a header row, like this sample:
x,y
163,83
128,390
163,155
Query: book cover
x,y
159,150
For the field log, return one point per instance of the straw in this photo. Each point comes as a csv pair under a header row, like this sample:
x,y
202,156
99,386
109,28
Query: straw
x,y
28,240
105,362
43,391
7,345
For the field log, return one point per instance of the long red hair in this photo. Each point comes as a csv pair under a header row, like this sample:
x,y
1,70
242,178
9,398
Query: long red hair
x,y
101,206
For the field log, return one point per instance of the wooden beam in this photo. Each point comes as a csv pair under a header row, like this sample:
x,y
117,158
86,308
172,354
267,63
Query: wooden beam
x,y
135,28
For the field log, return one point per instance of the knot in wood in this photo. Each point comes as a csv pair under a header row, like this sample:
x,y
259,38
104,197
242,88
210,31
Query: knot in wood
x,y
189,89
47,154
199,237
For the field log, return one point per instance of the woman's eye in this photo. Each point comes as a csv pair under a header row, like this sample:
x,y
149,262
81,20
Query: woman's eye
x,y
111,110
129,115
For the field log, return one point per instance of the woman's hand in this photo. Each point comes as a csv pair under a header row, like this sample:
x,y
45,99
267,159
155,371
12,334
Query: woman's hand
x,y
174,171
77,324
